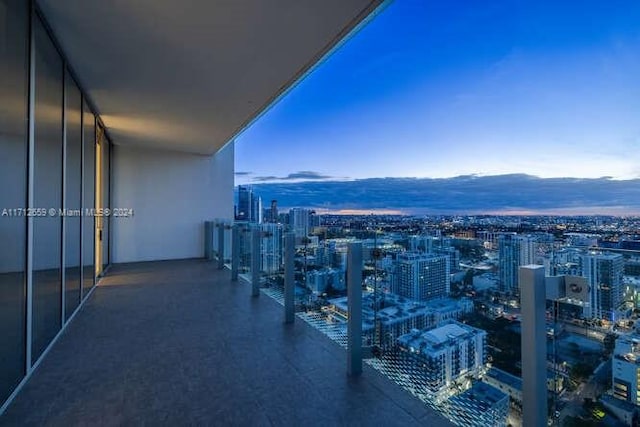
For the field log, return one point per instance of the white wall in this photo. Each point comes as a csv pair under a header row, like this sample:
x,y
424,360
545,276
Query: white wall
x,y
171,194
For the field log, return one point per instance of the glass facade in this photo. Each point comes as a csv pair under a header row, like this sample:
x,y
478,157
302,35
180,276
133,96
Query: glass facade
x,y
48,168
106,195
47,192
14,62
72,194
88,199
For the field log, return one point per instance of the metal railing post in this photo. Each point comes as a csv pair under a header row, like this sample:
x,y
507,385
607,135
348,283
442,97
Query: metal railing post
x,y
221,227
255,262
354,301
235,252
289,277
208,240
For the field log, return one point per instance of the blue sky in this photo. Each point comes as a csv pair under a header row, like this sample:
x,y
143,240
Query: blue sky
x,y
446,88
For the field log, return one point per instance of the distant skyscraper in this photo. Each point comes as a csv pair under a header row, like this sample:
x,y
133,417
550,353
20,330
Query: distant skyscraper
x,y
513,252
256,210
314,220
271,248
604,273
299,220
249,206
245,203
274,211
421,277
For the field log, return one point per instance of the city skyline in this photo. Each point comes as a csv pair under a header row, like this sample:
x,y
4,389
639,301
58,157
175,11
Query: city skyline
x,y
441,90
515,194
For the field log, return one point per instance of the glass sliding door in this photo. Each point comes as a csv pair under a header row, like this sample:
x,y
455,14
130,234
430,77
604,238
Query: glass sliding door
x,y
73,195
88,200
54,172
47,192
14,61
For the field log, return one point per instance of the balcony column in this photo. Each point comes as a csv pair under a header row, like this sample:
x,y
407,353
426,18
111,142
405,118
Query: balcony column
x,y
255,261
289,277
354,300
221,227
235,252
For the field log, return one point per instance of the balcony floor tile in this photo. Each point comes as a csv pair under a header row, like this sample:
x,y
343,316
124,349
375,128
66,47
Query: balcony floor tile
x,y
178,343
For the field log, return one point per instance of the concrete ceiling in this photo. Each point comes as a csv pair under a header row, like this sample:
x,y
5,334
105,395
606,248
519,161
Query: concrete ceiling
x,y
189,75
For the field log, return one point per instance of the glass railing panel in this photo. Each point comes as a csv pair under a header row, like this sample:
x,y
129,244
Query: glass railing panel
x,y
228,241
244,250
214,238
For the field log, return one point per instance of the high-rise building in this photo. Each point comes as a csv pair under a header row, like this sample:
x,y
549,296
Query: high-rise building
x,y
445,355
626,368
299,220
319,280
421,277
249,207
272,212
513,251
453,254
564,261
271,248
245,203
314,220
420,243
604,272
256,210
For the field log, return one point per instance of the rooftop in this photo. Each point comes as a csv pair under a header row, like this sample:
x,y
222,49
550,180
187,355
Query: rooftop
x,y
436,338
481,394
397,308
445,333
505,378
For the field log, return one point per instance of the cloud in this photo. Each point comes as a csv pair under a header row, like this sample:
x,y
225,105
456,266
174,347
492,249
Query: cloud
x,y
266,178
463,194
296,176
243,173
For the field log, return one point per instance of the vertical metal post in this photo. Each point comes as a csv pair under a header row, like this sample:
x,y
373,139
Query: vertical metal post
x,y
235,252
255,262
63,202
534,345
354,298
30,185
289,277
208,240
221,228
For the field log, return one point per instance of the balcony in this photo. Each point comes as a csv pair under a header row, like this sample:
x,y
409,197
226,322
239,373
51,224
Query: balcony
x,y
178,342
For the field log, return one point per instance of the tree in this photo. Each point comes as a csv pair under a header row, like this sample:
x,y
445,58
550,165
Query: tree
x,y
581,371
574,348
609,342
455,289
468,278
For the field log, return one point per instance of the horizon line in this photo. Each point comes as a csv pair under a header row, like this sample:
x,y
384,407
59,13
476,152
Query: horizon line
x,y
285,180
612,211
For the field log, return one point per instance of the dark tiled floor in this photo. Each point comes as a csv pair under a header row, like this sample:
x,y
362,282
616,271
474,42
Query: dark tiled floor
x,y
177,343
